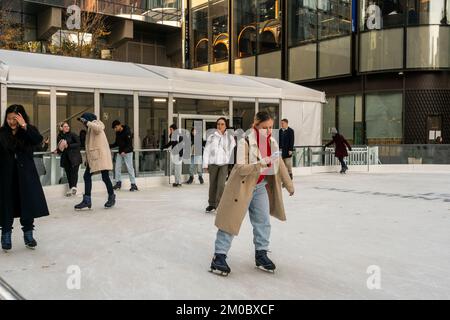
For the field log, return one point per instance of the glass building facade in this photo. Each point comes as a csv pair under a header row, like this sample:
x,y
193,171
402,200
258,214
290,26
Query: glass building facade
x,y
383,64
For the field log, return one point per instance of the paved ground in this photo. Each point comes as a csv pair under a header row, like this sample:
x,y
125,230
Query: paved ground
x,y
157,244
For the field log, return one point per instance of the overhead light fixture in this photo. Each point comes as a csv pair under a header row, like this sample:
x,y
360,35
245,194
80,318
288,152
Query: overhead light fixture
x,y
159,100
47,93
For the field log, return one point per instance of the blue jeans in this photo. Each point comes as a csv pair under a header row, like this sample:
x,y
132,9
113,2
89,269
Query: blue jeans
x,y
196,165
259,212
128,159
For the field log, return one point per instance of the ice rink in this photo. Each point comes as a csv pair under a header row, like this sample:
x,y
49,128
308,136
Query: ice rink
x,y
158,244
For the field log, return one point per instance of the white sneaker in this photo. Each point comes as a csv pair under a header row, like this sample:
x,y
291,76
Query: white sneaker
x,y
74,191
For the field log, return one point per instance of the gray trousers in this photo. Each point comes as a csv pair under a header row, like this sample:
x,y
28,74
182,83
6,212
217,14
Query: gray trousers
x,y
217,179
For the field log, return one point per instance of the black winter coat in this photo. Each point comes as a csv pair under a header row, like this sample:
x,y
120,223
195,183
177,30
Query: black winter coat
x,y
70,157
124,140
286,142
21,193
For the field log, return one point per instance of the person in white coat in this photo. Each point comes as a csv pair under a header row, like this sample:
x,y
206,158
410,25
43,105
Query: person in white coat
x,y
216,158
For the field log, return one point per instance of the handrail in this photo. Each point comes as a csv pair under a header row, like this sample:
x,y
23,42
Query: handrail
x,y
7,292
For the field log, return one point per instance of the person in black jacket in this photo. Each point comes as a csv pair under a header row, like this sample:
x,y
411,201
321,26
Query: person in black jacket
x,y
287,144
124,140
176,158
21,193
69,147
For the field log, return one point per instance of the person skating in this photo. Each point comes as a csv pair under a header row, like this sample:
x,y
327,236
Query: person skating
x,y
176,158
196,158
216,158
287,141
98,160
21,193
69,147
124,141
341,146
255,184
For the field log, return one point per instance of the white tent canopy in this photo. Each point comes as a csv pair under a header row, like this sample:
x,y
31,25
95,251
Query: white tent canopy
x,y
301,105
30,69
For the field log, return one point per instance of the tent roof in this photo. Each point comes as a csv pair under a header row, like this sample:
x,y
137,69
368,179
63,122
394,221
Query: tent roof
x,y
33,69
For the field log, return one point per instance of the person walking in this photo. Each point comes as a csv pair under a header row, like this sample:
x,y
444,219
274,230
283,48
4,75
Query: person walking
x,y
176,158
341,148
21,193
216,158
255,184
98,160
287,141
69,148
196,158
124,141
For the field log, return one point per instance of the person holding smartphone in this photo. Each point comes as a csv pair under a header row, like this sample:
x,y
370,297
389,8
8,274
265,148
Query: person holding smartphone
x,y
255,184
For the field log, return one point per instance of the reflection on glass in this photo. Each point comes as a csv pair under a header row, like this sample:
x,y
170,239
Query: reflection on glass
x,y
204,107
302,21
335,18
219,29
243,114
245,27
72,105
269,25
116,107
428,12
389,13
273,110
200,35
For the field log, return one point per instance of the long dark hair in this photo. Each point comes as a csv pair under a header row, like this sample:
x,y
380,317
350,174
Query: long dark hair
x,y
16,108
10,141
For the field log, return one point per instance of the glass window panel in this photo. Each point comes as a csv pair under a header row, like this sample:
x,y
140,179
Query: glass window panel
x,y
328,118
269,25
273,109
219,29
384,118
243,114
269,65
153,113
428,47
302,21
302,62
335,57
381,50
245,27
200,35
116,107
346,112
387,13
197,106
71,106
428,12
335,18
245,66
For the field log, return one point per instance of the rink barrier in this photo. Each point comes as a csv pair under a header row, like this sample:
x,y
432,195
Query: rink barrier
x,y
7,292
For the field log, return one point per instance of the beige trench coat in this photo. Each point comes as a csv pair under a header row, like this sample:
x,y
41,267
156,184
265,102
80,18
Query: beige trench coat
x,y
238,191
98,154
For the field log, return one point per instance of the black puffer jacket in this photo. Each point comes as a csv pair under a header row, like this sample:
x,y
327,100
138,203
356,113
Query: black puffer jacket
x,y
124,140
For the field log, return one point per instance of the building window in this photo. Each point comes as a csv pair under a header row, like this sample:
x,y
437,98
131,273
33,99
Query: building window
x,y
116,107
245,28
428,47
384,118
269,25
200,33
243,115
379,14
335,18
346,117
335,56
203,107
302,21
328,118
219,29
71,105
273,109
428,12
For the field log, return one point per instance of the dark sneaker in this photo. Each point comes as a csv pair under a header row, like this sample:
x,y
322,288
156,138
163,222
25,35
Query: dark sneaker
x,y
134,188
30,243
117,186
176,185
201,180
210,209
219,265
263,262
190,180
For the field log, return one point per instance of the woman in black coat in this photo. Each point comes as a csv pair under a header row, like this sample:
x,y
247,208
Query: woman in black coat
x,y
21,194
69,147
341,148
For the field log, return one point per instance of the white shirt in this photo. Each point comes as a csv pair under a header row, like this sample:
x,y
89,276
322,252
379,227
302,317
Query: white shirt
x,y
219,149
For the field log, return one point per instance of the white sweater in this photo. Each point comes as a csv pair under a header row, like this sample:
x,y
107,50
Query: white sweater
x,y
219,149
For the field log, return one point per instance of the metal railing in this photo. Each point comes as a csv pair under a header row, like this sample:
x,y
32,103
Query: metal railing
x,y
7,292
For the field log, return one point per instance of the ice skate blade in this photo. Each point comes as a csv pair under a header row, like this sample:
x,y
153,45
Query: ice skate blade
x,y
31,248
219,273
265,270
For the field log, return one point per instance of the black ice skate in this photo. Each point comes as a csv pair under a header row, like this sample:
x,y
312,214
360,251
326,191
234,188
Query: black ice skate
x,y
6,241
263,262
219,265
30,243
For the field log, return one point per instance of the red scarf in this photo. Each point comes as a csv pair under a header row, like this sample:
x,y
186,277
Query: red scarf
x,y
265,151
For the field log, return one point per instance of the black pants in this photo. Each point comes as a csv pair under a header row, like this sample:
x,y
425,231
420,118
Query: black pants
x,y
88,181
72,175
343,164
27,224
